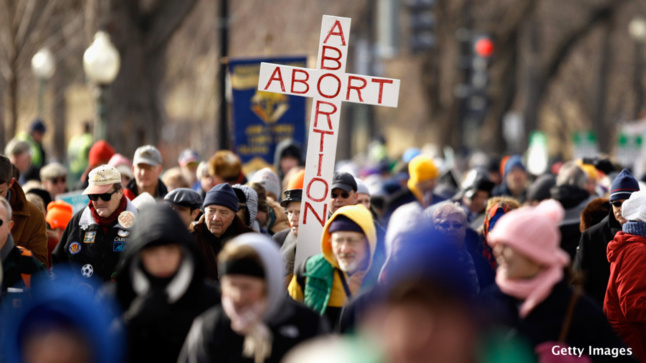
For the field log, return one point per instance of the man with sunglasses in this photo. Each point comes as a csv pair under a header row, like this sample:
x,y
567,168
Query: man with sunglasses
x,y
53,177
95,237
591,262
343,191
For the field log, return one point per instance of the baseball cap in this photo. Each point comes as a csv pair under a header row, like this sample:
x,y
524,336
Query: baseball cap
x,y
101,179
147,154
344,181
188,156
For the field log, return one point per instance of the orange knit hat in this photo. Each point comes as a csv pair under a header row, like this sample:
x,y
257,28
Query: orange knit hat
x,y
59,214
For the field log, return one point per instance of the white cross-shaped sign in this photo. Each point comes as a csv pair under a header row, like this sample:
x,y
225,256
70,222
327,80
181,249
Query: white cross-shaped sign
x,y
328,85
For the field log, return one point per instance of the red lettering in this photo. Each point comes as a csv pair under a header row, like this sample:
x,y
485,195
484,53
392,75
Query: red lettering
x,y
322,132
324,58
318,167
276,75
338,87
358,89
319,112
381,86
321,218
309,186
303,81
337,24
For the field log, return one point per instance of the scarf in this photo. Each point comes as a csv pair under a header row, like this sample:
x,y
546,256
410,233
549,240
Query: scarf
x,y
107,222
532,291
248,323
635,228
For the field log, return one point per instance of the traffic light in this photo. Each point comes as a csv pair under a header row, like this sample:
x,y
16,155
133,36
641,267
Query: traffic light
x,y
422,25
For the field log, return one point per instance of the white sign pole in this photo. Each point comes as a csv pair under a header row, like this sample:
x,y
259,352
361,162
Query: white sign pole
x,y
328,85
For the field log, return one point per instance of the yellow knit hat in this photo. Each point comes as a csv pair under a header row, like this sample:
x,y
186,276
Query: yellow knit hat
x,y
422,168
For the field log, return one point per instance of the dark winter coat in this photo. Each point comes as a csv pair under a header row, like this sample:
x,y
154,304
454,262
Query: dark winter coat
x,y
589,327
132,191
574,200
591,261
213,340
29,229
158,313
210,246
92,251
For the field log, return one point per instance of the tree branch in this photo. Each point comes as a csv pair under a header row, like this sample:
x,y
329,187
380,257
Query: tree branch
x,y
166,18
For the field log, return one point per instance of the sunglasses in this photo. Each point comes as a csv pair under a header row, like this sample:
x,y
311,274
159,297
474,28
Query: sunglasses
x,y
105,196
447,225
343,195
617,203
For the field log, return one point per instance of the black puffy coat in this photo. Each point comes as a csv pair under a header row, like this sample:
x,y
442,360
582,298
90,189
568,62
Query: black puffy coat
x,y
158,313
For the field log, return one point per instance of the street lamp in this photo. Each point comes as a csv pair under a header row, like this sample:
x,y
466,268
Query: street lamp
x,y
637,30
101,64
43,66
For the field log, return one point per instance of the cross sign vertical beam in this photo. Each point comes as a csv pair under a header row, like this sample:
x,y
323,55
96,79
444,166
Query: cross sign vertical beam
x,y
328,85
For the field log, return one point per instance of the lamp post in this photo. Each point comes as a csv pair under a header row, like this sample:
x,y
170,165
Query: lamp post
x,y
101,64
637,30
43,67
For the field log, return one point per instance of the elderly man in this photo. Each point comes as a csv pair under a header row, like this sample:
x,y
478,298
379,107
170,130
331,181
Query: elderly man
x,y
328,281
147,169
29,230
95,237
591,260
186,202
218,225
288,238
17,262
53,177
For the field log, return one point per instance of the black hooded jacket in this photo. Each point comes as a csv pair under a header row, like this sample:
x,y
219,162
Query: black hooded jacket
x,y
591,261
158,313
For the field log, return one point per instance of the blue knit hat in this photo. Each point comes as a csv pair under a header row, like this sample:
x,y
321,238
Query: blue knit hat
x,y
514,162
222,194
623,186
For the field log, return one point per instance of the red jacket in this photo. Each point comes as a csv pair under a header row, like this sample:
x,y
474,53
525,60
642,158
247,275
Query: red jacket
x,y
625,302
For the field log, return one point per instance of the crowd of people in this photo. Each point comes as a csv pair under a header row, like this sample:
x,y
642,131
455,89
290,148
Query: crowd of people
x,y
422,259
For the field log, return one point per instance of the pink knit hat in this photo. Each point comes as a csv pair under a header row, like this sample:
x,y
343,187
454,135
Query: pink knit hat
x,y
533,232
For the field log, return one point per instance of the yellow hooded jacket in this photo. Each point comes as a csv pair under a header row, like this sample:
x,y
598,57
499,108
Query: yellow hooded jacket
x,y
336,297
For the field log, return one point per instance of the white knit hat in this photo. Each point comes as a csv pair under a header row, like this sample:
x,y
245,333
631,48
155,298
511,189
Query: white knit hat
x,y
634,209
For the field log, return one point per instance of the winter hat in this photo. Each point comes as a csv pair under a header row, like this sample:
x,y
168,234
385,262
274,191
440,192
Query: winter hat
x,y
59,214
623,186
634,209
539,190
37,125
534,233
269,180
296,181
185,197
100,153
343,223
252,202
362,188
514,162
226,165
222,194
422,168
119,159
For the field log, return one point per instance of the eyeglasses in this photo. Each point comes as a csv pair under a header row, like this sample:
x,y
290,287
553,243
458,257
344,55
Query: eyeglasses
x,y
617,203
105,196
447,225
343,195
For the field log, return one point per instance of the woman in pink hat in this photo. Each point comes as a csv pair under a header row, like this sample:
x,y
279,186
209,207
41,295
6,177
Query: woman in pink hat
x,y
533,297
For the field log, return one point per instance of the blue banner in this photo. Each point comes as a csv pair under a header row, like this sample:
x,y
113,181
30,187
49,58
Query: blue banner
x,y
262,119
